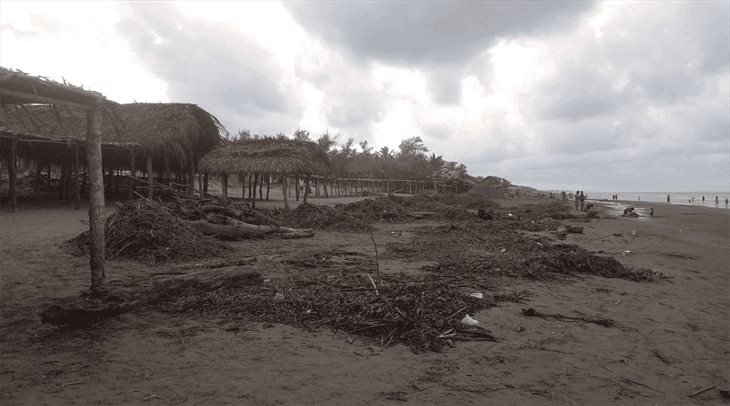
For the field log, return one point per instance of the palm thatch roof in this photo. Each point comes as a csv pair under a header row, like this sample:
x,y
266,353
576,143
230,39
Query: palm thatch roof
x,y
267,156
17,87
173,130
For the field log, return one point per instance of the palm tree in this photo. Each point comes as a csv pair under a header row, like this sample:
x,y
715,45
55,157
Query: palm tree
x,y
384,153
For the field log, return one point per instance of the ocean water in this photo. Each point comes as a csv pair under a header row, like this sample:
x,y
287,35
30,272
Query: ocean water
x,y
683,198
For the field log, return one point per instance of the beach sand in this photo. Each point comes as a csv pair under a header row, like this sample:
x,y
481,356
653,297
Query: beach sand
x,y
671,339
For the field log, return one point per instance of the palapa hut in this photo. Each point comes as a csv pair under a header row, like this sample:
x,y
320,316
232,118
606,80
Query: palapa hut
x,y
161,138
260,158
19,89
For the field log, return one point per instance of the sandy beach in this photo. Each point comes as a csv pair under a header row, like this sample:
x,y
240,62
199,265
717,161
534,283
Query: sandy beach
x,y
671,338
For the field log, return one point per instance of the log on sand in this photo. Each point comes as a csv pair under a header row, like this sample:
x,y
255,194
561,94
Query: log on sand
x,y
84,310
235,230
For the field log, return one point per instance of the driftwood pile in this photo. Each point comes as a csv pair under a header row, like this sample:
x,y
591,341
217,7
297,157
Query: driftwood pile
x,y
360,215
484,250
424,315
322,218
182,229
149,232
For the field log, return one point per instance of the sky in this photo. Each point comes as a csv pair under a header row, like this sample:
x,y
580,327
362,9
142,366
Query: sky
x,y
600,96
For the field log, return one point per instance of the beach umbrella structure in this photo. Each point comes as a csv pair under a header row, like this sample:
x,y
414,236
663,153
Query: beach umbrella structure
x,y
20,89
155,138
259,159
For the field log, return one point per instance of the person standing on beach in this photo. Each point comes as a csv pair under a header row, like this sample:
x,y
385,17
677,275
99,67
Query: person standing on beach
x,y
717,201
577,198
582,200
726,202
703,200
669,199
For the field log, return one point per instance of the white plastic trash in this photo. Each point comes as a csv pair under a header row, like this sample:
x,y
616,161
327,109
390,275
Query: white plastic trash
x,y
278,296
477,295
469,321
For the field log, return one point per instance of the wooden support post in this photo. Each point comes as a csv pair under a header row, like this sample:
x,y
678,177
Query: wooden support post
x,y
12,173
150,188
250,179
242,181
205,182
253,195
268,185
62,182
132,174
77,189
306,188
200,181
37,185
296,186
191,170
224,185
96,199
261,185
285,190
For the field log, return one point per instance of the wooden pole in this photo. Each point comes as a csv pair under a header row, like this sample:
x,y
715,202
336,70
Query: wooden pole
x,y
132,174
253,195
77,190
296,186
224,185
150,189
96,199
306,188
12,173
268,185
191,170
242,181
261,185
205,182
37,186
285,189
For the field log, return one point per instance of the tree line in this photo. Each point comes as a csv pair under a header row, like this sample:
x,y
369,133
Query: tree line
x,y
361,160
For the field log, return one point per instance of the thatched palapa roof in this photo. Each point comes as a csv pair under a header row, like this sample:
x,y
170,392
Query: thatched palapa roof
x,y
174,130
17,87
267,156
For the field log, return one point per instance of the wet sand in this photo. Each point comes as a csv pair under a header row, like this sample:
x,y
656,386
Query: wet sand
x,y
671,341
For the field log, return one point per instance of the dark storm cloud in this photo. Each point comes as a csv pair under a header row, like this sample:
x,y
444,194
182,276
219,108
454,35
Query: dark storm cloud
x,y
417,32
208,64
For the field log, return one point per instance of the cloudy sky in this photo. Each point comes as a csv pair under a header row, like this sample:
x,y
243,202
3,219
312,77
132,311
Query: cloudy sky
x,y
602,96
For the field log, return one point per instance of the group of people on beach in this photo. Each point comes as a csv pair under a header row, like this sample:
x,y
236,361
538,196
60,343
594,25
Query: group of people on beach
x,y
580,200
717,201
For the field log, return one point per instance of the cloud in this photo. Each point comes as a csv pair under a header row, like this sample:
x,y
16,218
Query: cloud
x,y
418,32
211,65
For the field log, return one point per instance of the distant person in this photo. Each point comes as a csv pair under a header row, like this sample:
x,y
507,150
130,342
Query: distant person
x,y
717,201
669,199
703,200
628,211
651,212
582,201
693,199
726,202
577,198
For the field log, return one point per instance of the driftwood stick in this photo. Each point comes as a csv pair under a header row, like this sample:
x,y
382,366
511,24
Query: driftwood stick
x,y
374,285
703,390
